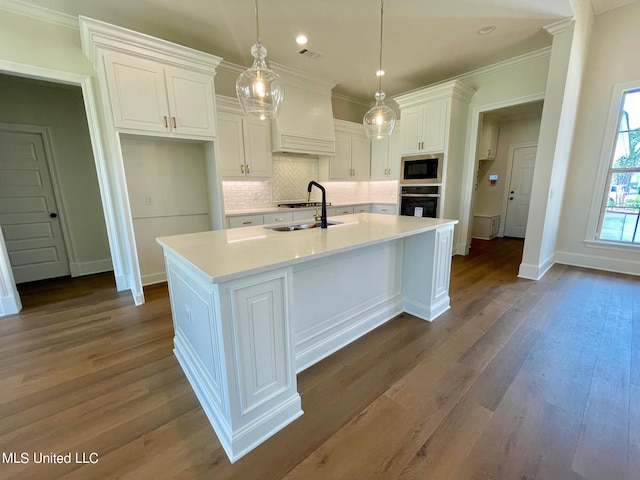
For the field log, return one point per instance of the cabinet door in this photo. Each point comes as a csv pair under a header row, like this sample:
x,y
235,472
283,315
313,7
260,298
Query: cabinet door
x,y
360,158
412,126
340,165
257,147
379,158
230,146
191,105
395,158
435,126
137,93
488,141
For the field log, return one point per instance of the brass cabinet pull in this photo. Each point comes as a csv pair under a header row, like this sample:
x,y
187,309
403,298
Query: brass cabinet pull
x,y
242,168
166,123
248,169
247,223
174,122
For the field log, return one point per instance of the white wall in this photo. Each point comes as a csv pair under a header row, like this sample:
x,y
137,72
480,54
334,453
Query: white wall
x,y
612,60
166,181
61,109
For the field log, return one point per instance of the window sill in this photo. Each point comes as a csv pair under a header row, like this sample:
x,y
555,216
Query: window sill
x,y
608,245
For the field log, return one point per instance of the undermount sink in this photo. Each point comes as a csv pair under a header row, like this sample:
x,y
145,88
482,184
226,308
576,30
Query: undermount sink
x,y
298,226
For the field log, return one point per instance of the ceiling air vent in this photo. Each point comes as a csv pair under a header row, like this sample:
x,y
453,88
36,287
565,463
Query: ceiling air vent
x,y
309,53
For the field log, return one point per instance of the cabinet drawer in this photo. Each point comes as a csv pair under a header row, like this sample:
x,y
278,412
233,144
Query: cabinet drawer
x,y
245,221
278,217
388,209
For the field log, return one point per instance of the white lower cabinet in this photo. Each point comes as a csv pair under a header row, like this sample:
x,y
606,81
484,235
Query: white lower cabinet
x,y
245,221
278,217
383,208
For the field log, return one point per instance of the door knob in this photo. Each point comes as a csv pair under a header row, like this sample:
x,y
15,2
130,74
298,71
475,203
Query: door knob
x,y
53,215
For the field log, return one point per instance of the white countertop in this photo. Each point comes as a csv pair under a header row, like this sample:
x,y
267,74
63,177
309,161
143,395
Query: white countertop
x,y
224,255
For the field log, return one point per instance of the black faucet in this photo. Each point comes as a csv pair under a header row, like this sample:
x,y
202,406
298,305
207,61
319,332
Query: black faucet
x,y
323,213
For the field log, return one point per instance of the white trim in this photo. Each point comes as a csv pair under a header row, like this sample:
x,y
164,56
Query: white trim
x,y
9,298
39,13
153,278
597,262
470,166
536,272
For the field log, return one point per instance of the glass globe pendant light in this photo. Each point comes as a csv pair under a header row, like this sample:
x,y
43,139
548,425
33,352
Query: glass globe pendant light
x,y
380,120
258,88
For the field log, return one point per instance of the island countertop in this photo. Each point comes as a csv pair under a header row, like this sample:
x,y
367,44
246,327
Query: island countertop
x,y
224,255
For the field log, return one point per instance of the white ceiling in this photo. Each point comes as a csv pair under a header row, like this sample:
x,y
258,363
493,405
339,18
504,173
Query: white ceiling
x,y
425,41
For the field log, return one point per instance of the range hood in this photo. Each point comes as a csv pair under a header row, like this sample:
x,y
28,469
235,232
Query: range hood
x,y
305,122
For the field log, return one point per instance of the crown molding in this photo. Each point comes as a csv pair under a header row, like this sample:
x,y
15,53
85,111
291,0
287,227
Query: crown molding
x,y
40,13
559,27
357,101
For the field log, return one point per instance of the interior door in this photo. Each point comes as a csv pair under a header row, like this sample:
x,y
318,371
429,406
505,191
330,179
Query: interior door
x,y
28,211
520,191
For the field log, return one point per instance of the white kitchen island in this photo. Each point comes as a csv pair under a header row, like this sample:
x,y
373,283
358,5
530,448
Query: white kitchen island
x,y
252,307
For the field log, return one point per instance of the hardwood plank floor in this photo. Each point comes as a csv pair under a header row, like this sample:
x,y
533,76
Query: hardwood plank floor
x,y
519,380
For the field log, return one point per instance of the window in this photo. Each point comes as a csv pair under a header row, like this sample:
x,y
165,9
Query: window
x,y
621,204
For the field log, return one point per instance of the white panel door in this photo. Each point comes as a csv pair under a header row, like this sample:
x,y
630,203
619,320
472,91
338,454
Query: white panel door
x,y
28,211
520,192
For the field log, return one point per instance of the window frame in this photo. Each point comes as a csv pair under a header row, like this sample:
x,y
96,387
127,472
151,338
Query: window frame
x,y
605,169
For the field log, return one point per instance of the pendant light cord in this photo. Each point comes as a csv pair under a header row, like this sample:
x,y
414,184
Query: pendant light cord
x,y
381,23
257,23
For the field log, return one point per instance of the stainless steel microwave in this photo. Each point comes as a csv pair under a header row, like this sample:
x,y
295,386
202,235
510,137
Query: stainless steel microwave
x,y
422,169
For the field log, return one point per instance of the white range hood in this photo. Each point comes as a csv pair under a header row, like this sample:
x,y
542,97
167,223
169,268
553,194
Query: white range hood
x,y
305,122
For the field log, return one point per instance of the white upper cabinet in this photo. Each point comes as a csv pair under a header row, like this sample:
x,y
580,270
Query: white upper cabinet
x,y
488,143
151,86
352,160
244,145
385,157
147,96
424,128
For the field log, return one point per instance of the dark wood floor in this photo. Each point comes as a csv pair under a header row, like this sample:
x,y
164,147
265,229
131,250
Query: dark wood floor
x,y
520,380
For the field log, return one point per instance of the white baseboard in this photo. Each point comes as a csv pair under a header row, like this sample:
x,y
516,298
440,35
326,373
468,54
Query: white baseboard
x,y
609,264
79,269
536,272
154,278
10,305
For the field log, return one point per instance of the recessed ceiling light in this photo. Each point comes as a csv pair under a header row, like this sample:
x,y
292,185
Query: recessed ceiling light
x,y
486,30
380,73
302,39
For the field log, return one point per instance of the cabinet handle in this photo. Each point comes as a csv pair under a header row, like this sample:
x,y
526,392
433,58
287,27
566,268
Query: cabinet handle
x,y
166,122
242,168
248,169
174,122
247,223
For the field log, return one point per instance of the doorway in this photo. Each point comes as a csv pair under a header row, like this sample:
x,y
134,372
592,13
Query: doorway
x,y
51,210
518,131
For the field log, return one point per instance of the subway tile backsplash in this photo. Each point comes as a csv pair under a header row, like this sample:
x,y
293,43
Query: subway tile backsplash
x,y
291,176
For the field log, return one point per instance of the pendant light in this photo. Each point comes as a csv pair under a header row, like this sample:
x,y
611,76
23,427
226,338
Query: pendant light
x,y
380,120
258,88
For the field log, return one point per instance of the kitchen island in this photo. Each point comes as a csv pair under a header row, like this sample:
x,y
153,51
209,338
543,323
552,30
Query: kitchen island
x,y
252,307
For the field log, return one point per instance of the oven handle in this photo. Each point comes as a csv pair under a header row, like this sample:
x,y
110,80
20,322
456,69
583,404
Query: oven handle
x,y
421,195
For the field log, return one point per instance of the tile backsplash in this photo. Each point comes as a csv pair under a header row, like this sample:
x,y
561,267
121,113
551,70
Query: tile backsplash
x,y
291,176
